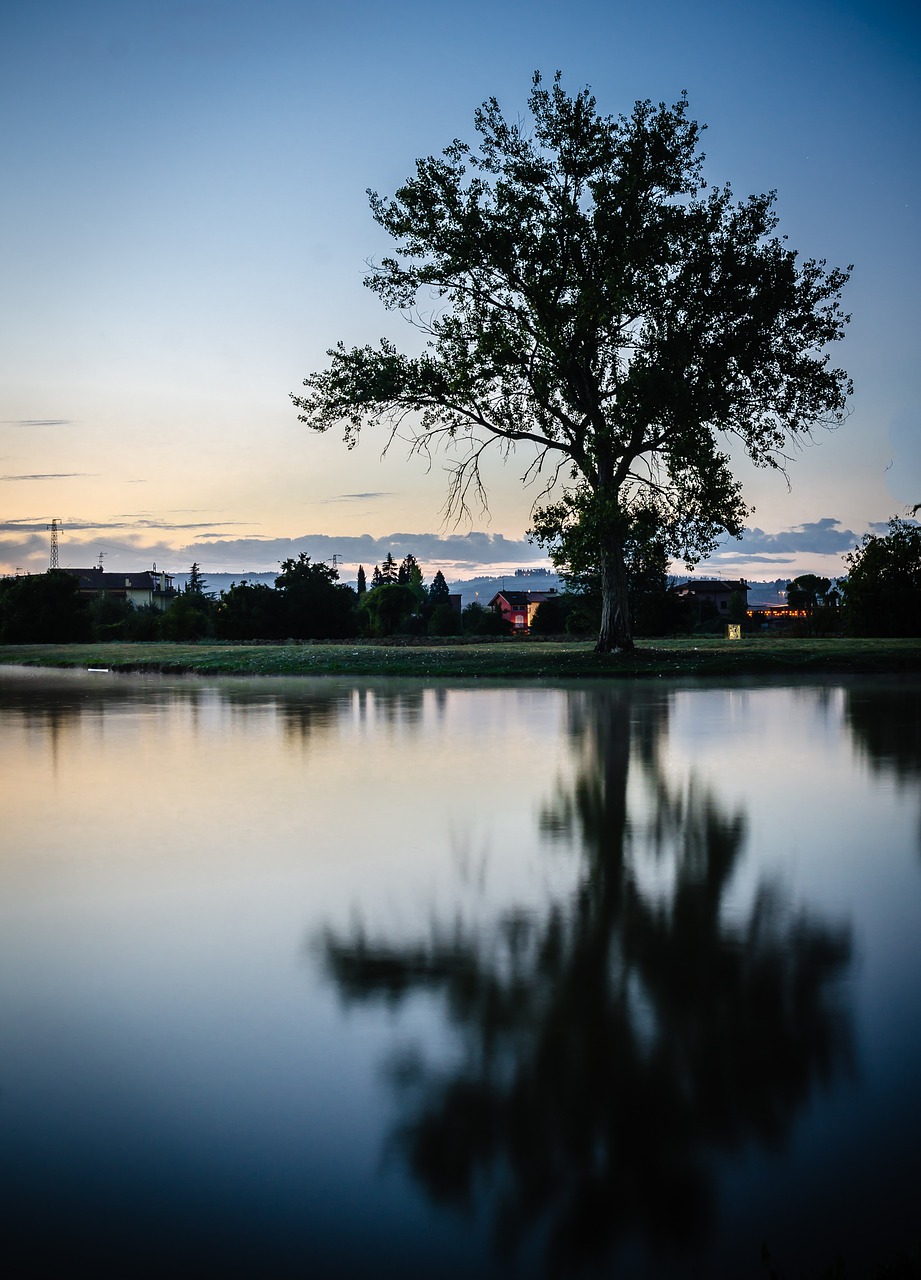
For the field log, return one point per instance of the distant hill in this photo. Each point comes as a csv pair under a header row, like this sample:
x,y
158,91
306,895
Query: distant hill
x,y
484,587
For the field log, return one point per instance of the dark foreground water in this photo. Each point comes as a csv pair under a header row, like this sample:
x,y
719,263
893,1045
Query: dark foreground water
x,y
322,979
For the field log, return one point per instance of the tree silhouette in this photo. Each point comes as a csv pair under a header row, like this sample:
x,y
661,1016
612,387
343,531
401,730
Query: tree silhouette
x,y
885,721
615,1042
602,306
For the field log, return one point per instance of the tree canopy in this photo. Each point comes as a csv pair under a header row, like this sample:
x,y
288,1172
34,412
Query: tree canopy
x,y
594,299
314,602
882,593
808,591
43,608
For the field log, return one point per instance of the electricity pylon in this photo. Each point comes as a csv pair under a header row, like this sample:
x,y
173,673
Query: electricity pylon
x,y
55,527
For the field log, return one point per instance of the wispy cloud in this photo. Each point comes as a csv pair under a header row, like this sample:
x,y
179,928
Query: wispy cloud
x,y
357,497
51,475
168,524
37,422
128,523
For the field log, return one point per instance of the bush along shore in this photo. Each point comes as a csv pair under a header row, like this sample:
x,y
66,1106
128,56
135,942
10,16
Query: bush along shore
x,y
517,658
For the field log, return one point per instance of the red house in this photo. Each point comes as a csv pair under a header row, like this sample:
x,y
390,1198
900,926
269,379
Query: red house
x,y
519,607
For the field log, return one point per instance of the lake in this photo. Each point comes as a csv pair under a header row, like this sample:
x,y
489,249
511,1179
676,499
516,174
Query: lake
x,y
327,978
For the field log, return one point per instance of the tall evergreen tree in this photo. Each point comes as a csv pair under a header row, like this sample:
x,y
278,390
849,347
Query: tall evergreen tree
x,y
389,570
196,584
377,578
438,592
405,573
416,584
362,585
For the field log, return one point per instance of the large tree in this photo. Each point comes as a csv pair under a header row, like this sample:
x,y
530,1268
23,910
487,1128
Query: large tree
x,y
882,592
315,603
595,299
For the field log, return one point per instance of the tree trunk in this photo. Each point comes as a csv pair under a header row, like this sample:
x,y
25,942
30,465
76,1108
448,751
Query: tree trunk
x,y
615,633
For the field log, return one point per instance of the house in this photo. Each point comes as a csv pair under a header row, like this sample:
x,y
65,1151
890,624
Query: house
x,y
139,589
712,591
519,607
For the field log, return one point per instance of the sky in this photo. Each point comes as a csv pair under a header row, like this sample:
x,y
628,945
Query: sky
x,y
185,230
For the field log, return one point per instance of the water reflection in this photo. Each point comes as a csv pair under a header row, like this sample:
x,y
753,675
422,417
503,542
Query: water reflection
x,y
616,1028
885,721
56,701
615,1041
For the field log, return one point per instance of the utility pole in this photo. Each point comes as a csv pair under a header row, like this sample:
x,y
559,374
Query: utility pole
x,y
55,527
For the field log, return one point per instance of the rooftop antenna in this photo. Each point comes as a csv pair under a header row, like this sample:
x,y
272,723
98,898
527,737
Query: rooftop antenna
x,y
102,556
55,528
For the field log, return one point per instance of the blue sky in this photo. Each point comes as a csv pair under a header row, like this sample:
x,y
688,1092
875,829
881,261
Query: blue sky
x,y
185,230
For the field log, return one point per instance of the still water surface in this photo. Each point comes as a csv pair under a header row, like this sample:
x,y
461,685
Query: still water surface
x,y
332,979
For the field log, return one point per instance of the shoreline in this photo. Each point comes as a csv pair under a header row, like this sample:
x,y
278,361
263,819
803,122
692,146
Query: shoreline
x,y
513,659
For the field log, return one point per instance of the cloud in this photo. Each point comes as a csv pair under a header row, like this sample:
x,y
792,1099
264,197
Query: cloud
x,y
357,497
137,538
164,524
800,549
37,422
51,475
456,554
822,537
22,551
459,551
126,522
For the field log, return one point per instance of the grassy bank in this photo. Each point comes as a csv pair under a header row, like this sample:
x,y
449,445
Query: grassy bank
x,y
505,659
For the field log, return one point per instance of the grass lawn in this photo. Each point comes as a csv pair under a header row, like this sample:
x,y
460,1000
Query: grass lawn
x,y
506,659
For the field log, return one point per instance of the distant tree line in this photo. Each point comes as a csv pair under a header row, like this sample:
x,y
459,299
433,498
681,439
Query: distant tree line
x,y
307,602
881,596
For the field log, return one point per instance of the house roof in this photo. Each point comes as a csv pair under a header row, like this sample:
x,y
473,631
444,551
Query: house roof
x,y
97,579
521,599
712,586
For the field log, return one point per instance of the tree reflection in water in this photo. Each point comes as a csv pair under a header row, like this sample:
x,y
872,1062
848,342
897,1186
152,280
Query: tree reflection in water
x,y
617,1041
885,720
